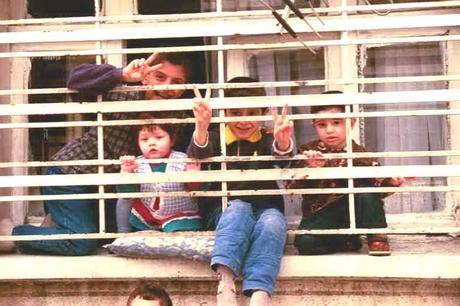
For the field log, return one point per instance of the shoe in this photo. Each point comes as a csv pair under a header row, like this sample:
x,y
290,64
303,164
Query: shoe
x,y
378,245
6,229
353,244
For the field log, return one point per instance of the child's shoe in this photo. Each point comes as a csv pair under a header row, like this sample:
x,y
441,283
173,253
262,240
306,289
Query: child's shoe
x,y
260,298
6,229
378,245
226,292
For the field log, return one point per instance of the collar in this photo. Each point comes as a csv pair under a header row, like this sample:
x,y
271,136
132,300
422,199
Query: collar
x,y
322,147
231,138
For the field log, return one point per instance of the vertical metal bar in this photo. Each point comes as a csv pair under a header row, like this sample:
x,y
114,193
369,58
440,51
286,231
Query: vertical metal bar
x,y
349,144
221,79
100,133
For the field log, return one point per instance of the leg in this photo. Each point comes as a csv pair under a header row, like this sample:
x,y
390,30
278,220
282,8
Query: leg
x,y
370,214
6,228
123,210
232,241
263,259
71,216
331,217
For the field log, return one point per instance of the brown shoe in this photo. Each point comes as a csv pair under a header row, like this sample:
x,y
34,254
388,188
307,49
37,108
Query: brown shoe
x,y
378,245
6,228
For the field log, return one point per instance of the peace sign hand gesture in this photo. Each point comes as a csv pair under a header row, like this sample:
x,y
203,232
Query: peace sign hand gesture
x,y
203,113
138,69
283,128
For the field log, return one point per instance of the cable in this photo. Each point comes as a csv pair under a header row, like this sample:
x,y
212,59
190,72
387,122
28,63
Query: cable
x,y
377,12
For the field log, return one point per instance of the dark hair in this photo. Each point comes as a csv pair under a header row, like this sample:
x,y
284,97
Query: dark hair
x,y
150,293
244,92
176,58
314,109
171,128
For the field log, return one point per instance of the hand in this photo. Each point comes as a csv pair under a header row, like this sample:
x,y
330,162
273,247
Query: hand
x,y
398,180
193,166
203,113
128,164
138,69
282,128
314,158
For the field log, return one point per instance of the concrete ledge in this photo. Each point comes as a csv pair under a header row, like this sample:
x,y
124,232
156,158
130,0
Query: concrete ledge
x,y
106,267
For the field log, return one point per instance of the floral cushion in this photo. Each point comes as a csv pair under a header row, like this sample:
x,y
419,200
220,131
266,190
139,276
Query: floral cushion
x,y
192,247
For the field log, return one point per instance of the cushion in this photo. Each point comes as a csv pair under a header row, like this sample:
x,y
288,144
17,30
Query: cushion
x,y
191,247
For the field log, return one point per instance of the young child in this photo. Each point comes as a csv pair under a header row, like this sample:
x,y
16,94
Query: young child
x,y
251,232
166,213
330,211
148,295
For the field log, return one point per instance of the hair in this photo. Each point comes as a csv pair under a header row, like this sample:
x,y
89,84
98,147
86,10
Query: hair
x,y
245,92
150,293
171,128
314,109
176,58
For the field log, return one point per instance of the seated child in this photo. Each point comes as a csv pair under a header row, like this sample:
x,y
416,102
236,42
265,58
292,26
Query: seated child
x,y
148,295
166,213
330,211
251,232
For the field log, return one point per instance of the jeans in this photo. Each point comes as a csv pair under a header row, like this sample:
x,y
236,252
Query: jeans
x,y
250,242
71,217
369,214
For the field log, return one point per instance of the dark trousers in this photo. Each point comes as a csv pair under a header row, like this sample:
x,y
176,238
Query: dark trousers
x,y
369,214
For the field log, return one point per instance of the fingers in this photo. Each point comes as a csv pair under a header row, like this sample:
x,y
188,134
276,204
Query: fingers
x,y
197,92
274,111
152,58
149,69
208,93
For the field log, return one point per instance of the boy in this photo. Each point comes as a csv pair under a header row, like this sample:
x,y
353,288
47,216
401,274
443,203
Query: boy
x,y
148,295
251,232
330,211
80,216
166,213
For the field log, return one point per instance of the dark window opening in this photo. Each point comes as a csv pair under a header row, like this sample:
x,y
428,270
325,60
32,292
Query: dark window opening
x,y
147,7
59,8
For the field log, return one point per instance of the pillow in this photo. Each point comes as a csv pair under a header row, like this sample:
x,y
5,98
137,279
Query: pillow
x,y
192,247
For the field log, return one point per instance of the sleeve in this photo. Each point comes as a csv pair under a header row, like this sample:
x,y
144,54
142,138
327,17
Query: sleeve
x,y
210,149
92,79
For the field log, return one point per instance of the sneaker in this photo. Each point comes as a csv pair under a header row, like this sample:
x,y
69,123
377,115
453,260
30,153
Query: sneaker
x,y
260,298
226,292
378,245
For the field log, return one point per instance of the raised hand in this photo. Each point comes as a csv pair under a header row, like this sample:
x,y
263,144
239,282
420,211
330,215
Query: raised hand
x,y
128,164
314,158
203,113
138,69
282,128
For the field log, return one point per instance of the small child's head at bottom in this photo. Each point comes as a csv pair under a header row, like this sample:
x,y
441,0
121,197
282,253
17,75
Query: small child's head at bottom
x,y
149,295
156,140
244,129
331,131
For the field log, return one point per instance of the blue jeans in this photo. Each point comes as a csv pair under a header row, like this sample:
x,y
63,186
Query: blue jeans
x,y
71,217
250,242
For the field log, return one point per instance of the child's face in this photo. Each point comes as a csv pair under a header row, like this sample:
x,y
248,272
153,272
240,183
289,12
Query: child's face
x,y
167,74
138,301
154,143
332,131
244,129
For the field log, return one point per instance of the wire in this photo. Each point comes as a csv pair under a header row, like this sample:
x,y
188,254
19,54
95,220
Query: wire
x,y
299,14
377,12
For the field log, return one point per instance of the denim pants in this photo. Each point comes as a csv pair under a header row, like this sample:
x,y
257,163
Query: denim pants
x,y
250,242
369,214
71,217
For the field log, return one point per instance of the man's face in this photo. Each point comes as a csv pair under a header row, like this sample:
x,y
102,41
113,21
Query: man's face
x,y
154,143
138,301
167,74
332,131
244,129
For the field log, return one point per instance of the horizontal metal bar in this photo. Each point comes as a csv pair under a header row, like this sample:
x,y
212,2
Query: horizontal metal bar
x,y
230,175
228,27
242,46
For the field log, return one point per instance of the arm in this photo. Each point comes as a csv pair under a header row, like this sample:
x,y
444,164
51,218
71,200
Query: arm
x,y
96,79
128,165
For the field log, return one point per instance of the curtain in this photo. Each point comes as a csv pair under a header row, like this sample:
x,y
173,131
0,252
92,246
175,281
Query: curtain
x,y
421,133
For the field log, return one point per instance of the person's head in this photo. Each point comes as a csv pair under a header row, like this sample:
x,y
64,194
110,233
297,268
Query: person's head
x,y
244,129
148,295
156,140
331,131
176,68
